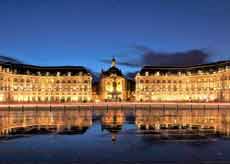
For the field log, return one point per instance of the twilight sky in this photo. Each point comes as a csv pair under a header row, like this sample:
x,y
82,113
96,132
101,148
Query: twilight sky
x,y
89,32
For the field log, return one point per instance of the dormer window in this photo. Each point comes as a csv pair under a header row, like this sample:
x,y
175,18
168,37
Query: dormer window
x,y
200,72
157,73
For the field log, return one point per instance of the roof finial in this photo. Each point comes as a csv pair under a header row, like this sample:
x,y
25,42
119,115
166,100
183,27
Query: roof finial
x,y
113,62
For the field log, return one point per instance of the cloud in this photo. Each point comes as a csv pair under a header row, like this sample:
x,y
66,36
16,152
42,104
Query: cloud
x,y
7,59
125,63
147,56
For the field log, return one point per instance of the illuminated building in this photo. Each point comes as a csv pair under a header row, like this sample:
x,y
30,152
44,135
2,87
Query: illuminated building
x,y
113,85
202,83
28,83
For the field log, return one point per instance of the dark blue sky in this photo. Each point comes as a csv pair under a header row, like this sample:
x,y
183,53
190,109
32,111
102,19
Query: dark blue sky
x,y
74,32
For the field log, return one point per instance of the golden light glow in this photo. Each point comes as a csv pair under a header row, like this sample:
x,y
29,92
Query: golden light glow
x,y
198,86
44,88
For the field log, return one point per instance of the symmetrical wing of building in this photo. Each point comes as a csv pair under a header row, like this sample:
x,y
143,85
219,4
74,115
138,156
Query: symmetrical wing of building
x,y
209,82
29,83
20,82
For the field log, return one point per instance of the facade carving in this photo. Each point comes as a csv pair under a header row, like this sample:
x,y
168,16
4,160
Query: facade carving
x,y
113,84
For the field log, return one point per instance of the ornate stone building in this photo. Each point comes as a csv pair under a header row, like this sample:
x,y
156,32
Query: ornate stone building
x,y
113,85
29,83
203,83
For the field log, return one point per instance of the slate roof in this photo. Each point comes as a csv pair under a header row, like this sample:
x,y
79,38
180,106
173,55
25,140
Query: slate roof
x,y
33,69
112,70
211,67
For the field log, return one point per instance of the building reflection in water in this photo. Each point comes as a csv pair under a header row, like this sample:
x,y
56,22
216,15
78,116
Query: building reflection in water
x,y
183,123
32,122
164,124
112,121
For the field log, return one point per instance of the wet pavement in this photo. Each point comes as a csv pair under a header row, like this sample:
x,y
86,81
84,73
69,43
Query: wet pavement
x,y
115,136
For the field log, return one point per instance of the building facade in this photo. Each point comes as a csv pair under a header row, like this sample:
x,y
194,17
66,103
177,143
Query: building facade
x,y
28,83
113,84
202,83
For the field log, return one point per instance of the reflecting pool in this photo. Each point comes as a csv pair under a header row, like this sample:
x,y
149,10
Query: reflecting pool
x,y
115,136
